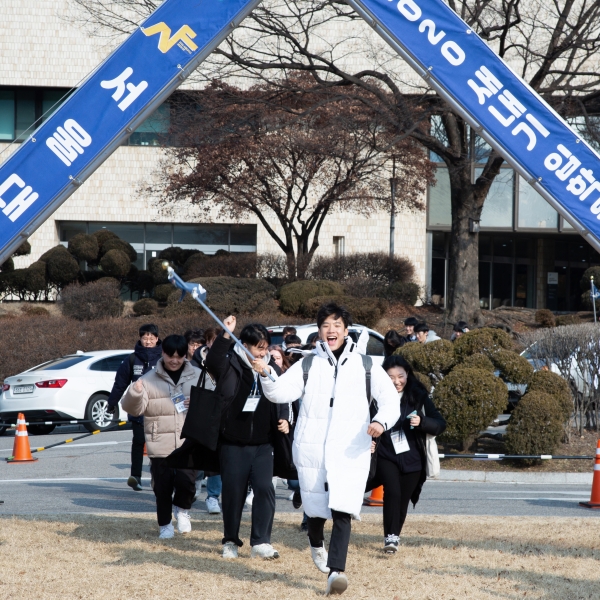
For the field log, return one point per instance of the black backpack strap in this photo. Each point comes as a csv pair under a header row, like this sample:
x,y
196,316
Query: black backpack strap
x,y
131,363
307,362
367,364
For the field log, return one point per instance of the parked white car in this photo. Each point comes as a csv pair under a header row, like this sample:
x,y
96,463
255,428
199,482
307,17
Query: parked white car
x,y
307,332
75,386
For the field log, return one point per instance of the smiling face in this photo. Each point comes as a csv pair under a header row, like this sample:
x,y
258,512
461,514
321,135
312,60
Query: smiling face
x,y
332,332
398,376
149,340
422,336
172,363
260,350
276,356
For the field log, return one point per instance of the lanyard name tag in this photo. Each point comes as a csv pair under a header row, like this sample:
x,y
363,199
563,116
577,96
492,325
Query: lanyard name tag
x,y
400,442
178,399
251,403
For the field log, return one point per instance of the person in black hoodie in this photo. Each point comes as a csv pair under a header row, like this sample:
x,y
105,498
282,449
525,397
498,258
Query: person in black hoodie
x,y
147,352
246,438
401,454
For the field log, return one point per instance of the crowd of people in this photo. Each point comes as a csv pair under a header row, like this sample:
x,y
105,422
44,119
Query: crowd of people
x,y
321,415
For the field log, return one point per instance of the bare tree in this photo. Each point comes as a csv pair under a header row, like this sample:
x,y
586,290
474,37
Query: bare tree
x,y
553,45
290,158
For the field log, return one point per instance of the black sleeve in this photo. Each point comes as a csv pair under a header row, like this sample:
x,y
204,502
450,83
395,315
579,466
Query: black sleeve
x,y
432,423
122,381
217,362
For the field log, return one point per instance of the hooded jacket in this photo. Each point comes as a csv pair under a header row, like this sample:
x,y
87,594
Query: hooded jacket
x,y
162,422
332,450
145,359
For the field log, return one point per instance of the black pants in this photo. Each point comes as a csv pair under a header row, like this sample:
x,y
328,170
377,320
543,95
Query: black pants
x,y
167,480
340,538
398,488
137,449
241,465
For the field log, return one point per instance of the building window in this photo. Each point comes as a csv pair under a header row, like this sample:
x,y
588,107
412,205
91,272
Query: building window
x,y
438,207
24,109
498,206
339,245
154,130
534,212
148,239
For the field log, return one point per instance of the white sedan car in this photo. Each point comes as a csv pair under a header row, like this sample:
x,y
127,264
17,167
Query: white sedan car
x,y
307,332
75,386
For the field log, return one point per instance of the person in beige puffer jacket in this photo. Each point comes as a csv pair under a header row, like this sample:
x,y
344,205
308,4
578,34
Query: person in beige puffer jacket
x,y
162,397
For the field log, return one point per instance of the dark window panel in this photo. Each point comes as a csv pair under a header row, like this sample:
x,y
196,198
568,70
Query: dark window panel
x,y
209,235
243,235
26,111
70,229
158,233
7,115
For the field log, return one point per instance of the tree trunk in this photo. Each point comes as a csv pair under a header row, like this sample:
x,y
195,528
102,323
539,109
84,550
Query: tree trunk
x,y
463,273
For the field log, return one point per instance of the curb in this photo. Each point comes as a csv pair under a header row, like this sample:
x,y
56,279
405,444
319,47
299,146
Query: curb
x,y
515,477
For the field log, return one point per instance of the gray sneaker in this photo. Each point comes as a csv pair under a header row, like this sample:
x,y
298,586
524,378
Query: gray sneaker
x,y
265,551
230,550
212,506
391,544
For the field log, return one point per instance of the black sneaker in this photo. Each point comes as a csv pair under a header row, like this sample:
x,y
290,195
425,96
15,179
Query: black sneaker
x,y
297,499
135,483
304,527
391,544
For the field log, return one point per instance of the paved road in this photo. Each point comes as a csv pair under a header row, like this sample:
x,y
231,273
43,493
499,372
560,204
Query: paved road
x,y
89,477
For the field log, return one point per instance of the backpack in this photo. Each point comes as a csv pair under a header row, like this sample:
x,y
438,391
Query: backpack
x,y
367,361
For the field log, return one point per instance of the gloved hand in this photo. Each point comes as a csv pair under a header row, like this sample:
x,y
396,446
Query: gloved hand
x,y
110,410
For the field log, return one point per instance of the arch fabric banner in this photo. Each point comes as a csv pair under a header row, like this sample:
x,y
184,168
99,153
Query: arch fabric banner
x,y
501,107
115,99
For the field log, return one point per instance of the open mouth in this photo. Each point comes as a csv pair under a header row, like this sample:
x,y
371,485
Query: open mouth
x,y
332,340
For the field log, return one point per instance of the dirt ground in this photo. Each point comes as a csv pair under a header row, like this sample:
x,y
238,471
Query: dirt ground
x,y
584,445
440,558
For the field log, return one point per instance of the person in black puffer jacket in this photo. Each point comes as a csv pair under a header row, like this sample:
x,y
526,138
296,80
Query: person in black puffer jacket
x,y
247,434
401,454
148,351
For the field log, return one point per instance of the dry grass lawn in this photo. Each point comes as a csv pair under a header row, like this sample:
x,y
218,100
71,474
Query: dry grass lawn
x,y
120,557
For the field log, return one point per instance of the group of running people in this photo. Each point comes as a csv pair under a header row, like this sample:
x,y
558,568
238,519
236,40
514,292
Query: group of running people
x,y
330,421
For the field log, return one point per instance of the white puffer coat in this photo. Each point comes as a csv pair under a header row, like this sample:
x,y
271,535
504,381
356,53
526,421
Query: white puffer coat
x,y
332,450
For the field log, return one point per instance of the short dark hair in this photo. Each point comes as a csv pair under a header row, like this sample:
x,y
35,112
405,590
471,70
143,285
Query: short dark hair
x,y
175,343
149,328
393,340
460,326
254,333
195,335
289,330
292,339
421,327
339,312
411,321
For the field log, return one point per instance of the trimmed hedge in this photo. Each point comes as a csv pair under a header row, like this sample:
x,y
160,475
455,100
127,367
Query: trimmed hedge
x,y
512,366
7,266
145,306
545,318
405,292
535,426
365,311
163,291
486,340
35,277
119,244
293,295
115,263
470,399
562,320
84,247
553,384
97,300
226,295
61,267
478,361
103,235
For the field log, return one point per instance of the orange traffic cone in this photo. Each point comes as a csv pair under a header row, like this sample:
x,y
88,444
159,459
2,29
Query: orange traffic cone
x,y
145,450
595,499
21,449
376,497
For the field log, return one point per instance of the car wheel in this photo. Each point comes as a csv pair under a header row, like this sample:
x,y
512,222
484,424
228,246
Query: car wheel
x,y
40,429
95,411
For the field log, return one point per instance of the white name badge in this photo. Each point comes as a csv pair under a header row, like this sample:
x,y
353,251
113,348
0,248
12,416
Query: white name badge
x,y
251,404
400,442
178,400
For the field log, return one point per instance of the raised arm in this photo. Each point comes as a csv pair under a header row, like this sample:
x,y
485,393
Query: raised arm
x,y
285,389
135,399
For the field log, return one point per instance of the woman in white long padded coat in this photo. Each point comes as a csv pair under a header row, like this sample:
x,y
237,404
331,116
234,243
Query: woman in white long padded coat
x,y
332,441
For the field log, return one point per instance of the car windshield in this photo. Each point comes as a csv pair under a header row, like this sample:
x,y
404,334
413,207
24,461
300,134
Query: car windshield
x,y
62,363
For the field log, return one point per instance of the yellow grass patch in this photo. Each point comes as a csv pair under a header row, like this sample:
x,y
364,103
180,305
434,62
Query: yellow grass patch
x,y
440,558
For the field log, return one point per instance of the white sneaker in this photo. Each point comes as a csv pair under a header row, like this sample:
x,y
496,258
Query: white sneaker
x,y
250,498
184,524
212,506
166,532
336,583
291,496
319,556
265,551
230,550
